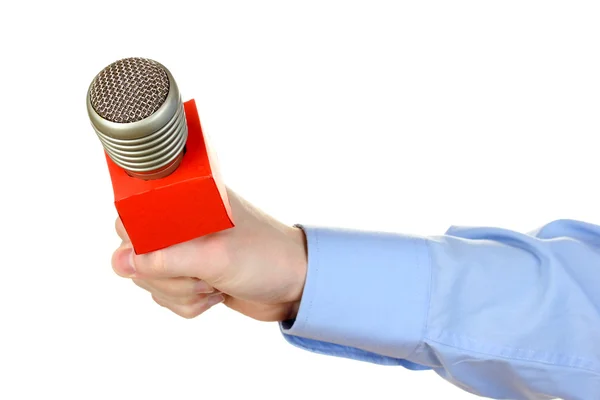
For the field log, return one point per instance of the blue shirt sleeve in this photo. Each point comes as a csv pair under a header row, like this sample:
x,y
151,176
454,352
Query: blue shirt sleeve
x,y
497,313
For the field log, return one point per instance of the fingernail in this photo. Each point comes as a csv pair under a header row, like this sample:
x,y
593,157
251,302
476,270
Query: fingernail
x,y
215,299
203,287
125,263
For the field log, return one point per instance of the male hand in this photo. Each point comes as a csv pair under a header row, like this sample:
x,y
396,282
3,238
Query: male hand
x,y
257,268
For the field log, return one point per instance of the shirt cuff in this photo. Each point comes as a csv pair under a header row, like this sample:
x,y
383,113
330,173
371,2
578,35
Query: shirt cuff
x,y
366,296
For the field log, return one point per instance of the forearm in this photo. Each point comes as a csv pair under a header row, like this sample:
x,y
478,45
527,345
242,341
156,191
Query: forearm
x,y
498,313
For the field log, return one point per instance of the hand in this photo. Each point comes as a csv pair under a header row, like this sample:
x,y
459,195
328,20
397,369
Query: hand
x,y
257,268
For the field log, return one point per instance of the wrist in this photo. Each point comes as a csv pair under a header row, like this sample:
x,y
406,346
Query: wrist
x,y
298,264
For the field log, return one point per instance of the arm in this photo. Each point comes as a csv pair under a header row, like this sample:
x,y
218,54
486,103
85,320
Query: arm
x,y
498,313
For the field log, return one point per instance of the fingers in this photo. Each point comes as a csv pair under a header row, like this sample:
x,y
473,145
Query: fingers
x,y
169,275
190,310
120,228
186,297
175,287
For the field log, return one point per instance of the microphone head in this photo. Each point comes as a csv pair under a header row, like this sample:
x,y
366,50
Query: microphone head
x,y
136,110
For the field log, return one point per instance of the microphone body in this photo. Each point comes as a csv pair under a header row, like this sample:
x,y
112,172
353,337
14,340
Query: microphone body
x,y
166,184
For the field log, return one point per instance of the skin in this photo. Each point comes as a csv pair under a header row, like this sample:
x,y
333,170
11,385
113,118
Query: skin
x,y
257,268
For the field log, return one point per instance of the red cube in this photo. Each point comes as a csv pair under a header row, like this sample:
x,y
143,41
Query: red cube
x,y
189,203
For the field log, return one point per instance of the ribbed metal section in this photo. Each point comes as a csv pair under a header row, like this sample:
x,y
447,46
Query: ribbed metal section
x,y
151,152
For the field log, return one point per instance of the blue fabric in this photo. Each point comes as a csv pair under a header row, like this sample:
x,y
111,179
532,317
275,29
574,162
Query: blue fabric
x,y
498,313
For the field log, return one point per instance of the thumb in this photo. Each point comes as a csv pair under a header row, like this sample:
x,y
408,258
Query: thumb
x,y
186,259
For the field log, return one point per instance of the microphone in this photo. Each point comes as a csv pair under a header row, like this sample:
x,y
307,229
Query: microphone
x,y
135,108
166,183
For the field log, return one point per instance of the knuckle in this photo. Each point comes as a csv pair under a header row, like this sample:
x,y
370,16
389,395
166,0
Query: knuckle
x,y
158,301
188,312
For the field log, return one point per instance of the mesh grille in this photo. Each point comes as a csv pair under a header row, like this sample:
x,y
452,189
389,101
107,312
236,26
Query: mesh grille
x,y
129,90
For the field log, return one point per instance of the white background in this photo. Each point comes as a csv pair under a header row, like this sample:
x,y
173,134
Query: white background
x,y
406,117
